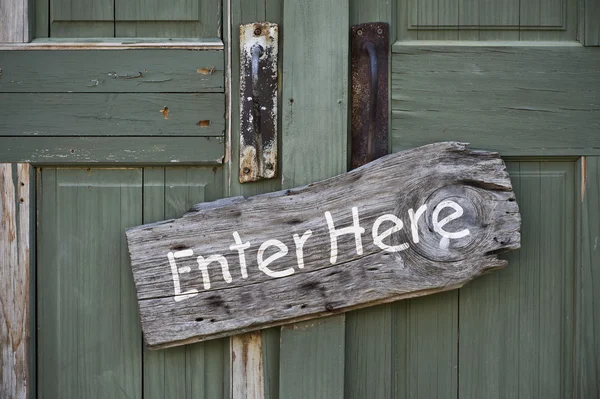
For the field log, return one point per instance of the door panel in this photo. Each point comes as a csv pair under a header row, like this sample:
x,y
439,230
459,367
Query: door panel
x,y
89,340
515,100
487,20
516,325
197,19
88,329
192,371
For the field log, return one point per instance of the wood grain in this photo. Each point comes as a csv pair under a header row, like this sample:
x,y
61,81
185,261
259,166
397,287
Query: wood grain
x,y
111,71
112,114
315,146
587,366
16,26
191,371
104,150
247,366
523,316
89,342
476,179
487,20
15,208
520,101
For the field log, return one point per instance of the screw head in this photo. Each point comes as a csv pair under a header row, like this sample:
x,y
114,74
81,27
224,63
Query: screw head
x,y
359,32
257,32
246,170
379,31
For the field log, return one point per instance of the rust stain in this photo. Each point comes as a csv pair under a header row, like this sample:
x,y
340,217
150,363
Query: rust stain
x,y
165,112
583,176
203,123
206,71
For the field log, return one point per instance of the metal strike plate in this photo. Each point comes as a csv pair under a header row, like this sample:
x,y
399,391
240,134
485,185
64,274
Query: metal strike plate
x,y
369,69
258,101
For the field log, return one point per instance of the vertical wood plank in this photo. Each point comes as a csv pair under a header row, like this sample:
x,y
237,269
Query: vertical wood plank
x,y
315,90
15,211
197,370
89,341
16,26
426,336
516,325
587,322
468,15
369,340
315,139
369,345
242,12
312,359
247,366
591,22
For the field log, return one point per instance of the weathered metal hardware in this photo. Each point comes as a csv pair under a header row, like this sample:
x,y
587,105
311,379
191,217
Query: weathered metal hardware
x,y
369,126
258,101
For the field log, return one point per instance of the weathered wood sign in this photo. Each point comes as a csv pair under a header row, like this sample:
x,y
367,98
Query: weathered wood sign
x,y
408,224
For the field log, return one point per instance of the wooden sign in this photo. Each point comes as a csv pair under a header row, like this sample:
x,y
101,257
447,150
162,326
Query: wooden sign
x,y
408,224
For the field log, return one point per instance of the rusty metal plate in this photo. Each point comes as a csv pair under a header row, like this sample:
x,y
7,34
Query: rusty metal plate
x,y
258,101
369,52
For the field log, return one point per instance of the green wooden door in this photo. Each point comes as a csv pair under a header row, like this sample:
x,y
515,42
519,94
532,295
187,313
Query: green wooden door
x,y
507,76
122,135
120,106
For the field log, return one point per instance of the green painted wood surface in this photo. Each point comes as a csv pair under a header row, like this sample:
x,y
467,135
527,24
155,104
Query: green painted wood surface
x,y
587,347
590,27
516,325
112,150
80,18
137,18
312,359
314,133
111,71
112,114
200,19
426,336
315,90
191,371
487,20
369,353
89,341
515,100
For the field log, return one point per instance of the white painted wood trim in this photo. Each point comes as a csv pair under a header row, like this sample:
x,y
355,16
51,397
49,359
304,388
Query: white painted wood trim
x,y
14,280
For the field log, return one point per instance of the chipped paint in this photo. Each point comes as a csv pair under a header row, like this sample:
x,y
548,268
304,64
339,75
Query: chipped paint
x,y
258,101
127,75
203,123
165,112
206,71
